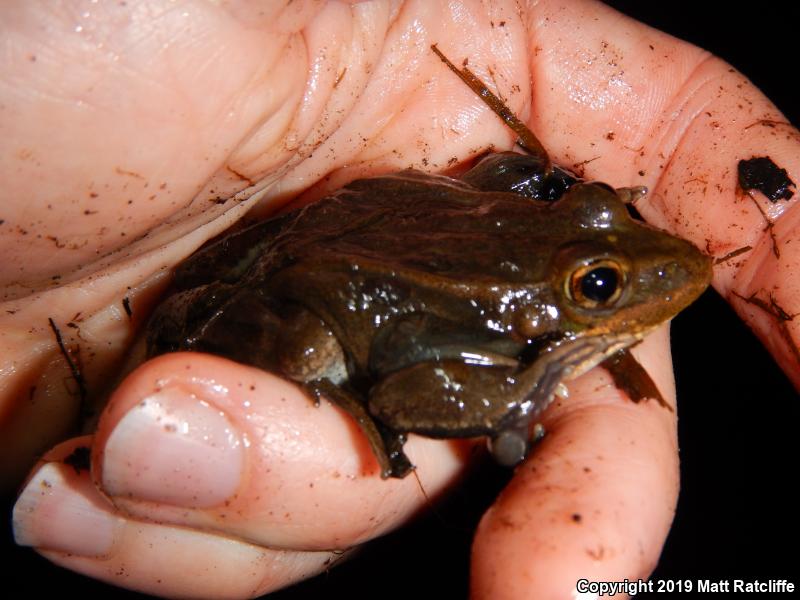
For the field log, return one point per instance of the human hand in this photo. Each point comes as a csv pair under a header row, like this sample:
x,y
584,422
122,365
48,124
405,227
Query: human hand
x,y
567,130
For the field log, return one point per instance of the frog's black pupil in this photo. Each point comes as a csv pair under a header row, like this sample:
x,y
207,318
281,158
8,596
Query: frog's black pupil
x,y
599,284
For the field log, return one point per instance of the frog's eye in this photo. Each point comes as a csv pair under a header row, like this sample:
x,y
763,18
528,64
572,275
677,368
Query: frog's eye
x,y
596,284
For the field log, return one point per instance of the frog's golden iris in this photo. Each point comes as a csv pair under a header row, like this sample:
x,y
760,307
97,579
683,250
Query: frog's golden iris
x,y
598,283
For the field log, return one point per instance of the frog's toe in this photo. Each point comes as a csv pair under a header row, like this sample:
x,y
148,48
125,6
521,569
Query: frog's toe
x,y
399,466
392,458
509,447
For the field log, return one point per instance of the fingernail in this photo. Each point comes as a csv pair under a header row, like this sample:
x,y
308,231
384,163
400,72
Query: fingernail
x,y
174,448
57,511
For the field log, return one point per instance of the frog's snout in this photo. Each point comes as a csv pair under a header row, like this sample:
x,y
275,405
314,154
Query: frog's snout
x,y
682,276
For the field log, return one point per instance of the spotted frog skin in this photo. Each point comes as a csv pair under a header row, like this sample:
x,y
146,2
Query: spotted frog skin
x,y
450,308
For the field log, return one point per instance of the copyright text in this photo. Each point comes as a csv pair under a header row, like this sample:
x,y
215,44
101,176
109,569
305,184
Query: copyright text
x,y
709,586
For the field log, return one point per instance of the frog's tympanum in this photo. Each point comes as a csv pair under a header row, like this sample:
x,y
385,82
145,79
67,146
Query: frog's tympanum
x,y
448,308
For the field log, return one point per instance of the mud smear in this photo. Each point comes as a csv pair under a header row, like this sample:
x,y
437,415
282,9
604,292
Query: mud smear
x,y
761,174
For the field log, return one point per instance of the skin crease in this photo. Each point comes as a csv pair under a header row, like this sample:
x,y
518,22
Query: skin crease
x,y
275,118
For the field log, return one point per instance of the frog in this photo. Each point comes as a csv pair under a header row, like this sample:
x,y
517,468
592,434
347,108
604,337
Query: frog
x,y
440,306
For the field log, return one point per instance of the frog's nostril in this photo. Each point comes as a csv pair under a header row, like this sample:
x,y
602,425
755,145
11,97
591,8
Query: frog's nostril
x,y
669,270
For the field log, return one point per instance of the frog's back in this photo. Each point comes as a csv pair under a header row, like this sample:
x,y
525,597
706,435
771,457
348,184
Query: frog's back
x,y
417,222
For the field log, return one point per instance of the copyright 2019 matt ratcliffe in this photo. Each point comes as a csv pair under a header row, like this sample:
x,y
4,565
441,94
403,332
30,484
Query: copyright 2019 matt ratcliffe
x,y
711,586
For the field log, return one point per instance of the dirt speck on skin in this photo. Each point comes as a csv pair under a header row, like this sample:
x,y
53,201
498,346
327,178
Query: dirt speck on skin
x,y
731,254
596,553
506,522
80,459
777,312
126,304
769,225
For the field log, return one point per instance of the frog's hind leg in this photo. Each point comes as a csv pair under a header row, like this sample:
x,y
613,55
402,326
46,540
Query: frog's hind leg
x,y
527,139
311,355
630,195
538,178
386,444
219,319
307,348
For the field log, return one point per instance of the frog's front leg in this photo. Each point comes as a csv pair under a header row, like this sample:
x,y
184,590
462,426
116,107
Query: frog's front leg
x,y
453,399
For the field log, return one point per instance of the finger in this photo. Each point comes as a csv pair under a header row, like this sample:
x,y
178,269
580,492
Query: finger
x,y
633,105
202,442
62,514
596,498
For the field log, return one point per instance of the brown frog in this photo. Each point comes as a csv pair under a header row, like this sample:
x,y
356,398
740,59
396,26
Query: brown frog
x,y
448,308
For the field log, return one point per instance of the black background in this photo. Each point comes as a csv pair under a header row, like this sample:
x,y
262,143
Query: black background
x,y
738,412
